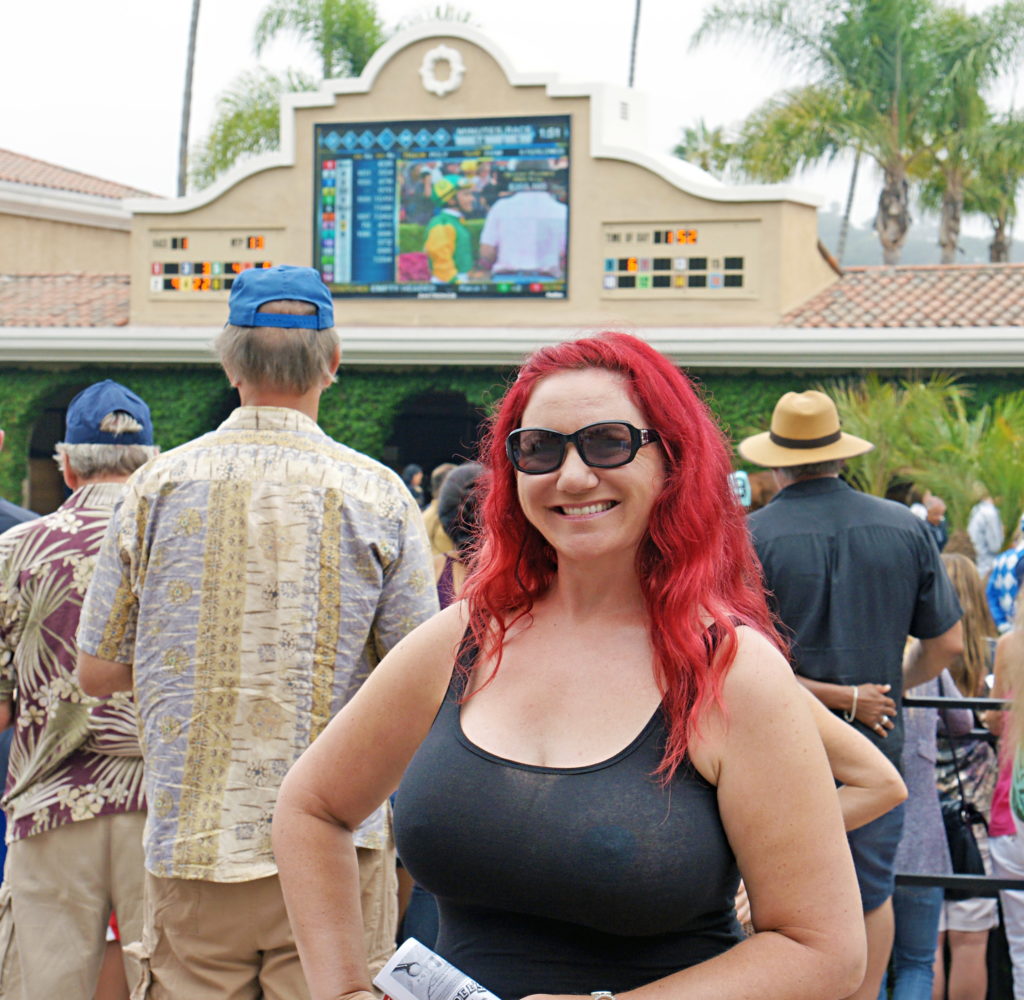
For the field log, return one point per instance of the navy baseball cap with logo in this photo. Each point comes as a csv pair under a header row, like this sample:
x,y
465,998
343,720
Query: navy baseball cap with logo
x,y
259,285
87,410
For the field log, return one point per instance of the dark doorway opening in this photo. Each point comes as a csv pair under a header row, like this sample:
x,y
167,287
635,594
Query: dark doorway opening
x,y
432,428
46,489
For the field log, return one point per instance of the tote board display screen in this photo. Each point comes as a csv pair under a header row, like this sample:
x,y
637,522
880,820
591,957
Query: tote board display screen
x,y
443,209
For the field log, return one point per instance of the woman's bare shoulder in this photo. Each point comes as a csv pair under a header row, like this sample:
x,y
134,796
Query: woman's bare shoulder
x,y
757,664
759,696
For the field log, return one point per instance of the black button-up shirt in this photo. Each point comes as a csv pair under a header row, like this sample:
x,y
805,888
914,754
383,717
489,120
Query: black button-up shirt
x,y
851,577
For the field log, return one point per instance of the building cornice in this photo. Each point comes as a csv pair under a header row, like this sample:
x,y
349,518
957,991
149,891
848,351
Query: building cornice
x,y
696,347
55,205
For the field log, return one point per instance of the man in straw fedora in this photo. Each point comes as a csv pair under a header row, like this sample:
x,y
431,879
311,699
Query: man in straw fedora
x,y
852,576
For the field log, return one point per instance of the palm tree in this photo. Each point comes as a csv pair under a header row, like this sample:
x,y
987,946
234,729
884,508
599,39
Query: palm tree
x,y
992,189
247,123
972,50
186,100
891,416
707,148
344,33
633,41
439,12
875,76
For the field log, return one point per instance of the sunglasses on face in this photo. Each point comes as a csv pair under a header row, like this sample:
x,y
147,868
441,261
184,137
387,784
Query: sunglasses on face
x,y
605,445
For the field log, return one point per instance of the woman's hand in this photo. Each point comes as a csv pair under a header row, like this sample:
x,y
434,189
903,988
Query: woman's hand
x,y
875,709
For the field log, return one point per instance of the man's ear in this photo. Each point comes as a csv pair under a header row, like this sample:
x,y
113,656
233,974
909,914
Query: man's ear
x,y
332,366
71,479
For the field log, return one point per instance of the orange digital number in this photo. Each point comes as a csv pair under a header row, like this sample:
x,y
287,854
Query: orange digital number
x,y
631,264
255,242
205,267
176,284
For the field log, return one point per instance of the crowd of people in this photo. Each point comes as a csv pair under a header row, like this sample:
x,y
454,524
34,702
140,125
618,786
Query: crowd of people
x,y
627,737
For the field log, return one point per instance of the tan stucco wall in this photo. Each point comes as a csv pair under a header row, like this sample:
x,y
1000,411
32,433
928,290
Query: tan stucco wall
x,y
778,239
39,246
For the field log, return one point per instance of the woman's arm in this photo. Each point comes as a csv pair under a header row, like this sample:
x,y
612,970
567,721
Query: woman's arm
x,y
871,785
953,721
1009,651
349,770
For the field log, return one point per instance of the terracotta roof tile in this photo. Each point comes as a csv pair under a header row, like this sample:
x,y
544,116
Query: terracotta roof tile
x,y
64,299
938,295
18,169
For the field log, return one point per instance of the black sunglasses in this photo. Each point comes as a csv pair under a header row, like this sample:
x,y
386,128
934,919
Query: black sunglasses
x,y
605,445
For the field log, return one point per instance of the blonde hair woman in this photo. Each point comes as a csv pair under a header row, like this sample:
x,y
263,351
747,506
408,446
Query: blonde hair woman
x,y
965,923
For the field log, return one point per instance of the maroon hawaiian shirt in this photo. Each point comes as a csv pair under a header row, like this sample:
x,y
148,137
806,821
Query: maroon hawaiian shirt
x,y
72,757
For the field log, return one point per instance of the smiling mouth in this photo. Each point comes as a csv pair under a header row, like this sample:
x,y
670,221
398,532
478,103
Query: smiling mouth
x,y
589,508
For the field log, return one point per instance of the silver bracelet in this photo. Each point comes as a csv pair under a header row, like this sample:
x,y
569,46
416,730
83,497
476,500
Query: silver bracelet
x,y
603,995
852,714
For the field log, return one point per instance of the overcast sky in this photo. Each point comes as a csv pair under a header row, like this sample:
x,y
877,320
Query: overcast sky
x,y
97,86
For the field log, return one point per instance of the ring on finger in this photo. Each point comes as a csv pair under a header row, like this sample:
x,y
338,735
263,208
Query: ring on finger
x,y
885,720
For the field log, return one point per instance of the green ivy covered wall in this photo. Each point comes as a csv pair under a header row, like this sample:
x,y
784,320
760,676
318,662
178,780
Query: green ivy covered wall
x,y
190,400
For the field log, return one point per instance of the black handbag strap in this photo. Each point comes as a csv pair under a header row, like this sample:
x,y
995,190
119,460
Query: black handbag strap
x,y
967,807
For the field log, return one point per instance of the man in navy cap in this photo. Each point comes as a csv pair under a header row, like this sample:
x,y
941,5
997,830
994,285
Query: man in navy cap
x,y
250,582
74,796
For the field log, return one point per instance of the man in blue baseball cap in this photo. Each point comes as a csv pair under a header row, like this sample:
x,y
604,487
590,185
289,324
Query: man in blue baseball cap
x,y
252,580
74,796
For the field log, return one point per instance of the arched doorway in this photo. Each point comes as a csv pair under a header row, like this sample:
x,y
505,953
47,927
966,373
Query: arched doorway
x,y
46,489
432,428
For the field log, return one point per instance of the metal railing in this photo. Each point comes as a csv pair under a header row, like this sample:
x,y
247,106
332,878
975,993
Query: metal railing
x,y
976,885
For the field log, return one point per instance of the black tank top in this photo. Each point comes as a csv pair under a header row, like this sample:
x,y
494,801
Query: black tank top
x,y
566,880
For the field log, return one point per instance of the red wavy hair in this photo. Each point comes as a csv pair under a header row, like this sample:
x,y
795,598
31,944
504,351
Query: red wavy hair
x,y
695,562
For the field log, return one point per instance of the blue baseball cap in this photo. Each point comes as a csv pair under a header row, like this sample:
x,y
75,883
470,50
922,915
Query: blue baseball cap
x,y
87,410
259,285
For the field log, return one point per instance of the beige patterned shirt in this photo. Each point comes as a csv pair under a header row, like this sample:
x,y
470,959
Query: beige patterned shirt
x,y
253,578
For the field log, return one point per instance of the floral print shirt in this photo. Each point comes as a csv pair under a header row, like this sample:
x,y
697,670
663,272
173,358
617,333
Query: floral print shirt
x,y
72,757
252,578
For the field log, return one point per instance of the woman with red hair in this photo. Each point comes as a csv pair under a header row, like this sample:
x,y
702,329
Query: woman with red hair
x,y
598,736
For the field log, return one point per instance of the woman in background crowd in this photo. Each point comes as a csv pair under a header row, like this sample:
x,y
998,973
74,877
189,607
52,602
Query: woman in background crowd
x,y
923,849
458,513
412,476
965,923
616,728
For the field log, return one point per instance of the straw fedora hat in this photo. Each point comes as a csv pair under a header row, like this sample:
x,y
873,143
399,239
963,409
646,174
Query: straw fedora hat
x,y
805,429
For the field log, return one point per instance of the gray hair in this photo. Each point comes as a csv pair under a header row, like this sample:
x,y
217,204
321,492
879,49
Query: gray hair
x,y
90,461
287,360
812,470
